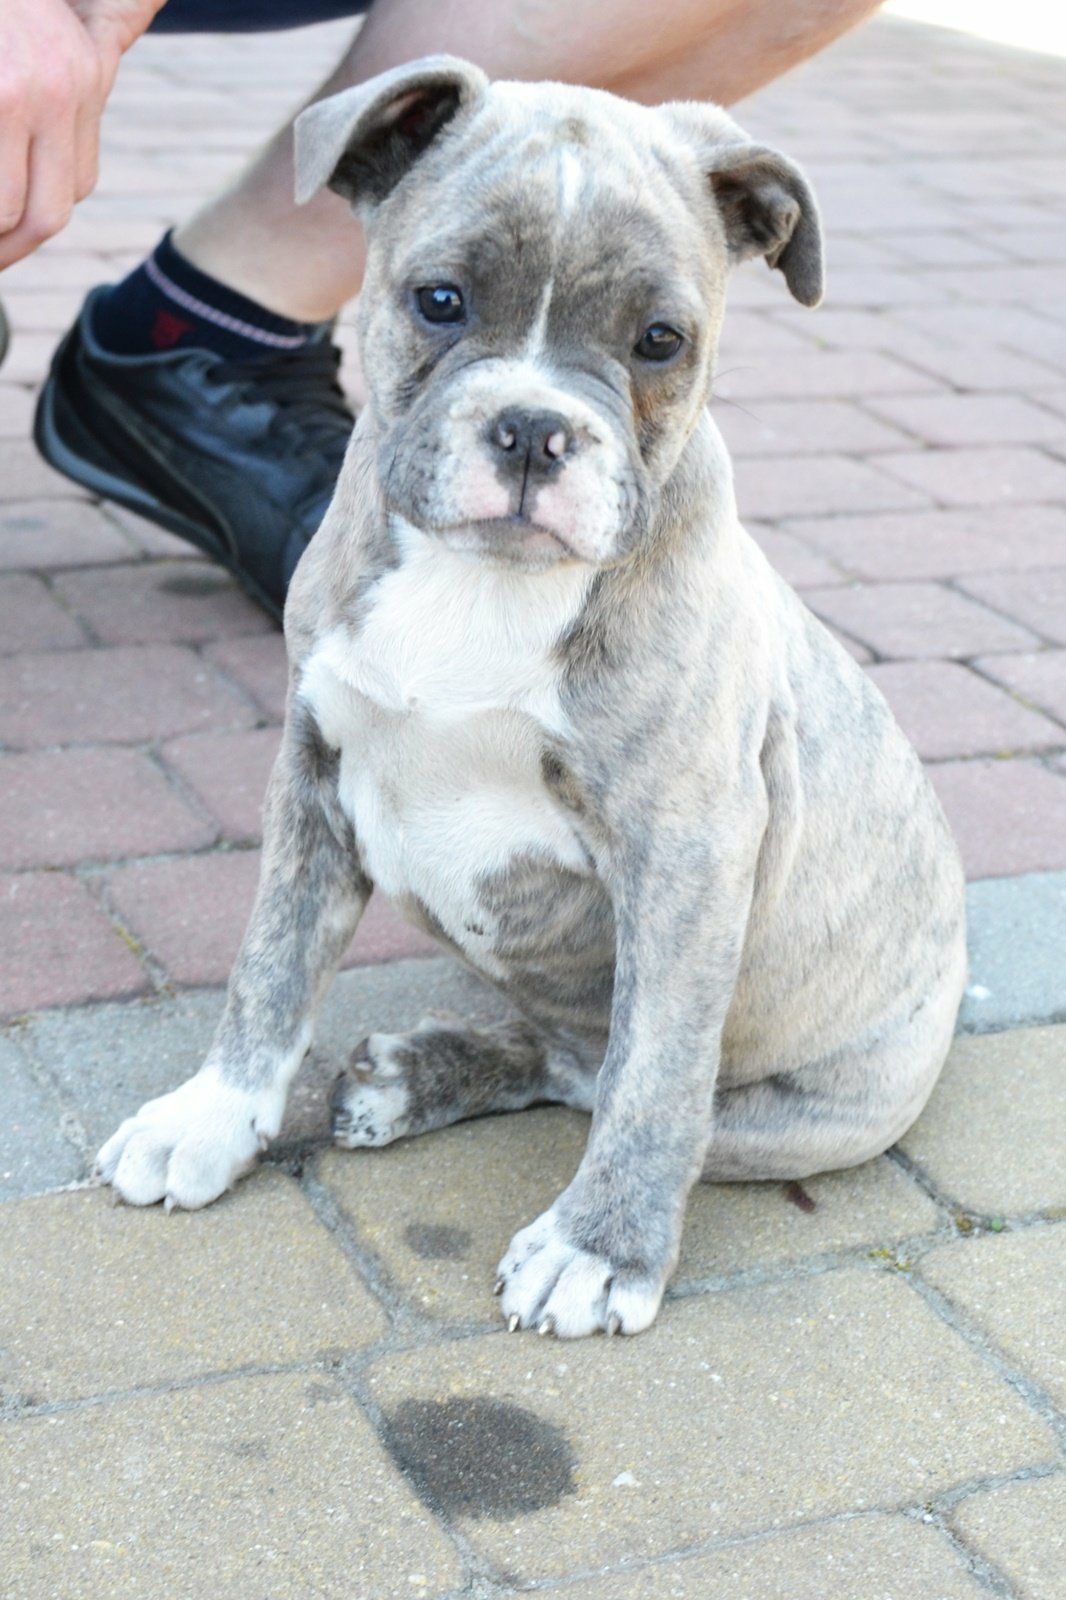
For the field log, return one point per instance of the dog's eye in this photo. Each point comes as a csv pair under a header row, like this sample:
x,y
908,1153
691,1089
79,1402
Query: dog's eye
x,y
658,343
440,302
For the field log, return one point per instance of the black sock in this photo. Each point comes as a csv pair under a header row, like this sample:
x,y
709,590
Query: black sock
x,y
166,303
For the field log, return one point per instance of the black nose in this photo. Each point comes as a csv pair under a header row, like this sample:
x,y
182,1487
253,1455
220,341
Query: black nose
x,y
529,442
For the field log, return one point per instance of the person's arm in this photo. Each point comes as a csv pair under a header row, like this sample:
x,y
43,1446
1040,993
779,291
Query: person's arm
x,y
58,60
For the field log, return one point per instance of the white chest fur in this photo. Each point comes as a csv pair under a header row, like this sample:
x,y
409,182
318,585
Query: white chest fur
x,y
439,705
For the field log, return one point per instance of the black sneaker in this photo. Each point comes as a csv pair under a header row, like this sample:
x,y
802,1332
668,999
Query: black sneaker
x,y
240,458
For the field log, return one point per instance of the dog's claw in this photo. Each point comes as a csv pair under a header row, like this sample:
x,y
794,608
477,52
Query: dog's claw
x,y
500,1285
168,1203
614,1324
546,1327
513,1321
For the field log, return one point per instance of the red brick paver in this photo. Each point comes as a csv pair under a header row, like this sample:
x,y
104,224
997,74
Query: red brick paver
x,y
939,544
797,563
191,915
815,427
1008,816
971,419
177,601
1003,477
785,486
947,710
258,663
917,619
1037,599
32,619
47,534
57,947
16,410
1039,678
117,696
59,808
229,773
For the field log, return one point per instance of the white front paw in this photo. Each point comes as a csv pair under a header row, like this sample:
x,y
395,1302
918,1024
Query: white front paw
x,y
189,1146
549,1283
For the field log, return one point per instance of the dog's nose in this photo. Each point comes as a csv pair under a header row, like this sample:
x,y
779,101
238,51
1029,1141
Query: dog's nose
x,y
529,441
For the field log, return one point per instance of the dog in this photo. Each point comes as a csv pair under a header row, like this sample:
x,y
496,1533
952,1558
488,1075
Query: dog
x,y
547,694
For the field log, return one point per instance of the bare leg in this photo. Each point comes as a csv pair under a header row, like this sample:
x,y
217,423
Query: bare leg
x,y
405,1083
307,263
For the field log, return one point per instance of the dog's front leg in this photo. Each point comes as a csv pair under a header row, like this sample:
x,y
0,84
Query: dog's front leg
x,y
600,1257
188,1146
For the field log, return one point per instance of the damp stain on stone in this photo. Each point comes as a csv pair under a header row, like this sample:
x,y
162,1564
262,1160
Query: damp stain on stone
x,y
479,1457
799,1197
194,584
248,1450
437,1241
321,1394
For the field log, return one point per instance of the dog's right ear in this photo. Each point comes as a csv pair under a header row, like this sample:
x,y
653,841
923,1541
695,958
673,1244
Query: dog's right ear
x,y
361,142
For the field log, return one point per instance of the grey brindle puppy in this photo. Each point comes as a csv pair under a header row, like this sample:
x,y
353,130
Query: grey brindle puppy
x,y
547,693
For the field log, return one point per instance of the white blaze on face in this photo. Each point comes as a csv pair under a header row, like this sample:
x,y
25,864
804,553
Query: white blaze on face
x,y
571,178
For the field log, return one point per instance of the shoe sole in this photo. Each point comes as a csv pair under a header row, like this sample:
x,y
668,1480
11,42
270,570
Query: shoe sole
x,y
70,447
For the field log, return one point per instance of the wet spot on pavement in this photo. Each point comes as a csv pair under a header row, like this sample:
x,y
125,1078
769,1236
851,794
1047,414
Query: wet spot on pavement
x,y
480,1458
195,583
437,1241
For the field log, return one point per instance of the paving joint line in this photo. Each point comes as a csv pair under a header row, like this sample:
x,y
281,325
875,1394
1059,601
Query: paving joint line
x,y
990,1577
955,586
1035,1396
230,679
476,1568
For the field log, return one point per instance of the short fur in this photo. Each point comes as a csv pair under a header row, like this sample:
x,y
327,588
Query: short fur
x,y
565,713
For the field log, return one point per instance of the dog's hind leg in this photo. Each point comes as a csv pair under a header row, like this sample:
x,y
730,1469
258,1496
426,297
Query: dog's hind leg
x,y
406,1083
838,1112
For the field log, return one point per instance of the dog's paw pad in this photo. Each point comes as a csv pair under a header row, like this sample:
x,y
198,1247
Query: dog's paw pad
x,y
370,1104
187,1147
550,1284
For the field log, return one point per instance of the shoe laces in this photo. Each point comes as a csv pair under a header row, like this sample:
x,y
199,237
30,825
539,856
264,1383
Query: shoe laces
x,y
304,388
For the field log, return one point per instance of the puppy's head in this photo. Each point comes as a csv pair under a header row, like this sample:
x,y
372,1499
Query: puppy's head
x,y
544,290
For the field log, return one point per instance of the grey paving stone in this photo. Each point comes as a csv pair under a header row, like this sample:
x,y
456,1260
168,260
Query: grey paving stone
x,y
865,1558
440,1210
991,1135
1017,938
110,1058
1021,1528
1013,1286
97,1298
736,1412
34,1155
265,1486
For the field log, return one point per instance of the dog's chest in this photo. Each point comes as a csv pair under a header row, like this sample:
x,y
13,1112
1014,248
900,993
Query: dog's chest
x,y
441,705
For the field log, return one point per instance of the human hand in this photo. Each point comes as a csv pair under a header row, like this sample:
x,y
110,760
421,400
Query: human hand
x,y
58,60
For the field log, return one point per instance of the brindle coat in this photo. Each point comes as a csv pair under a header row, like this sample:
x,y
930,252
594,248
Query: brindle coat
x,y
547,693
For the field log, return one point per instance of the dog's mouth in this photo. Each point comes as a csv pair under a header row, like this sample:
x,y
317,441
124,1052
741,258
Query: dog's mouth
x,y
512,541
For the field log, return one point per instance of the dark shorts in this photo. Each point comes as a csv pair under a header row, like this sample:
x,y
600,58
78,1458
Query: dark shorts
x,y
250,16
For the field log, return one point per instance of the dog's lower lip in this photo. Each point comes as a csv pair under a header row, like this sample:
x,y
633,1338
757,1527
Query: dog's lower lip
x,y
513,530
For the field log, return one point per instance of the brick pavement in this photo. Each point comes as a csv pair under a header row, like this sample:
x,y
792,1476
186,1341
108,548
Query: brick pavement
x,y
901,454
858,1400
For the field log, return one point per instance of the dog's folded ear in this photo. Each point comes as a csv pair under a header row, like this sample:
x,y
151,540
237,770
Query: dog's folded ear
x,y
362,141
766,204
